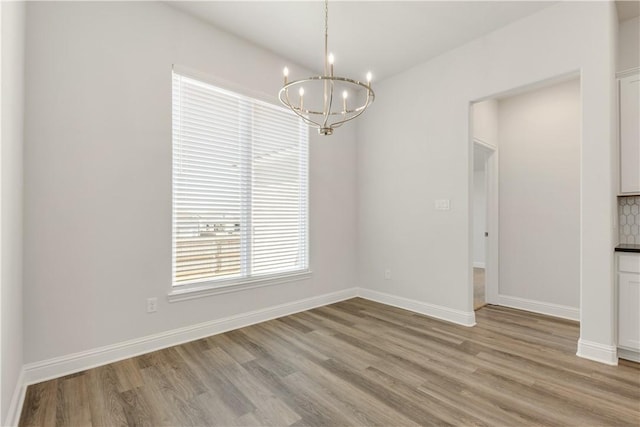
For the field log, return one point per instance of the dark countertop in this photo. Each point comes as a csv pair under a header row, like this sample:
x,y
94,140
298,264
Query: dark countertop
x,y
628,247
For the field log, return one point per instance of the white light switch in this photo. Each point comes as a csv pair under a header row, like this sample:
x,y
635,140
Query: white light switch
x,y
442,205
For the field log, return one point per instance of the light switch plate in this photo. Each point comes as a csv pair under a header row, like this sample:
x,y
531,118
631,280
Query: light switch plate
x,y
443,205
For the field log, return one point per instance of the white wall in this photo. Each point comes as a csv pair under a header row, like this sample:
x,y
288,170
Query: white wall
x,y
11,356
485,121
98,174
414,148
479,213
539,133
629,44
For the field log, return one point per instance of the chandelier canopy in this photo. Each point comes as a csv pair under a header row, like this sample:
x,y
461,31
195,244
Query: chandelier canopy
x,y
319,108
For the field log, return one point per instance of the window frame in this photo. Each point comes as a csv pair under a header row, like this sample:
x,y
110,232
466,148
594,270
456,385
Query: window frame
x,y
187,291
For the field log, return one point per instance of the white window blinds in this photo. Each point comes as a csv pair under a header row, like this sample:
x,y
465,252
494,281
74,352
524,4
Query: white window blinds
x,y
239,186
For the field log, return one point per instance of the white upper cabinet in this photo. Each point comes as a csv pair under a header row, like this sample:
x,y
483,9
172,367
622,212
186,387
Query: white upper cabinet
x,y
629,97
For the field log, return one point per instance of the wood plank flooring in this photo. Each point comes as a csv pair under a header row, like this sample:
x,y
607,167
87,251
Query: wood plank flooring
x,y
354,363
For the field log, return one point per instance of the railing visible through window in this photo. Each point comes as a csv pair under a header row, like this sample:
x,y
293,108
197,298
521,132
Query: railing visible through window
x,y
240,184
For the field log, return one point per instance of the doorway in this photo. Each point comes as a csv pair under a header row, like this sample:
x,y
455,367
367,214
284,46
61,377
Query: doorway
x,y
484,220
479,226
531,239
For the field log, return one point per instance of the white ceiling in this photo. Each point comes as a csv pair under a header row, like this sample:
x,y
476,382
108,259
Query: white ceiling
x,y
385,37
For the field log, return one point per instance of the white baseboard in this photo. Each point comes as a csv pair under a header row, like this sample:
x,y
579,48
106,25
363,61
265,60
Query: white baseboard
x,y
478,264
597,352
632,355
17,400
439,312
65,365
556,310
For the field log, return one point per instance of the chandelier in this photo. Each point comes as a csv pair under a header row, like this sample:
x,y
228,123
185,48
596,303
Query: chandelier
x,y
319,109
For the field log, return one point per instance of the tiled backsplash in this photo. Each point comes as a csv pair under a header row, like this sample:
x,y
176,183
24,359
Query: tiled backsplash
x,y
629,219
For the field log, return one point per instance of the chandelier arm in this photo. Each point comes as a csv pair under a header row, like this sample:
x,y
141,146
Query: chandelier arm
x,y
371,96
308,121
370,92
297,111
288,101
325,97
284,98
359,110
320,113
327,112
304,118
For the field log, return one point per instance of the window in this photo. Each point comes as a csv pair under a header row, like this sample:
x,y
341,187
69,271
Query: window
x,y
239,187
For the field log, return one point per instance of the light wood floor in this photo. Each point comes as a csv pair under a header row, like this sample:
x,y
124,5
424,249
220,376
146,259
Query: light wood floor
x,y
355,363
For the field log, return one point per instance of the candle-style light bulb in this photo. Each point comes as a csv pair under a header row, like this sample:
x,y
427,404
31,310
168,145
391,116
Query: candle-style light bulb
x,y
369,78
286,74
331,59
345,94
301,92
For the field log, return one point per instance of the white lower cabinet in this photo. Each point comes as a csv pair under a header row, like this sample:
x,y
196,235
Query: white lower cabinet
x,y
629,306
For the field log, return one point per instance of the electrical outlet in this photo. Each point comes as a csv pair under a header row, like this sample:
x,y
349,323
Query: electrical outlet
x,y
152,305
387,274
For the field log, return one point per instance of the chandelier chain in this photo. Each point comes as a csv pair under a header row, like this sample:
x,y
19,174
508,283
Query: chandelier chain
x,y
326,18
326,34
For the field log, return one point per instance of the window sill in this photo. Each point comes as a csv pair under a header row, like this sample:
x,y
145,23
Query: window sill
x,y
209,289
